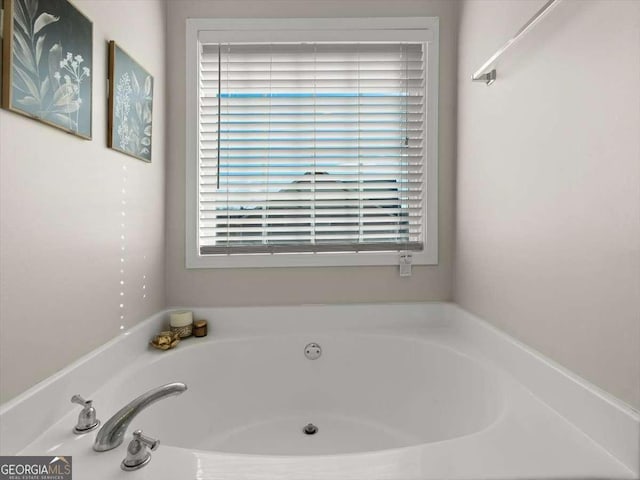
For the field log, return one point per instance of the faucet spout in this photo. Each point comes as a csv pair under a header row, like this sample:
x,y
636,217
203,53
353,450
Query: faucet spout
x,y
112,432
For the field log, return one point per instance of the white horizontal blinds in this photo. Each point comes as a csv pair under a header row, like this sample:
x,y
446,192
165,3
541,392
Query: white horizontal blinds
x,y
311,147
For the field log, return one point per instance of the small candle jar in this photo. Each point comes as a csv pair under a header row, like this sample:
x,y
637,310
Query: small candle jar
x,y
200,328
182,323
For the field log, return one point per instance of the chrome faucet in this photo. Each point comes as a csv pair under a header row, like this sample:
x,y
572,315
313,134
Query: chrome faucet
x,y
112,433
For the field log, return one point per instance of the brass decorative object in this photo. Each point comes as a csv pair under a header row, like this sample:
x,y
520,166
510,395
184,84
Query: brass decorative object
x,y
165,340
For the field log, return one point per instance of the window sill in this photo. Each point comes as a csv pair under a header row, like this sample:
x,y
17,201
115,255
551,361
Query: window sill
x,y
286,260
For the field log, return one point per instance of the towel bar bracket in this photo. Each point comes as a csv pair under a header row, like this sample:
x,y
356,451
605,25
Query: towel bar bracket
x,y
487,78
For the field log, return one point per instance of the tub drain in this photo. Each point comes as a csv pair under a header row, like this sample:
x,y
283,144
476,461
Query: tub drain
x,y
310,429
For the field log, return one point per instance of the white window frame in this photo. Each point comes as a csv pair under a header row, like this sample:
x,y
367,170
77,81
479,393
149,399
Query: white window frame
x,y
418,29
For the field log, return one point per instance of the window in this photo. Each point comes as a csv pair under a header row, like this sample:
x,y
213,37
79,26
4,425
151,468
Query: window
x,y
312,147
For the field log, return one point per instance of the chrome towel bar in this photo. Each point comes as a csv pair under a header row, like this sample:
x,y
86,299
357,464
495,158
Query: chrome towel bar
x,y
487,72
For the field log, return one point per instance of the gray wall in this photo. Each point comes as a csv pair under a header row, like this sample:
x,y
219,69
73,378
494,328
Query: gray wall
x,y
547,207
61,213
304,285
548,210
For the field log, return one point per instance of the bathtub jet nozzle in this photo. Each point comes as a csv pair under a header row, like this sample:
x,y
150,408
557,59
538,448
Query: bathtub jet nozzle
x,y
310,429
312,351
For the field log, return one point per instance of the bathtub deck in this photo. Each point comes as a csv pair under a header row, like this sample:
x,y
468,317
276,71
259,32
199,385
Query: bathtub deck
x,y
527,440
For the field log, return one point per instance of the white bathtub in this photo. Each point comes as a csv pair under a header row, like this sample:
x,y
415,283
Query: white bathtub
x,y
400,392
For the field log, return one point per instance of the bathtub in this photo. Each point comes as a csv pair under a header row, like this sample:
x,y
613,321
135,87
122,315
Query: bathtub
x,y
411,391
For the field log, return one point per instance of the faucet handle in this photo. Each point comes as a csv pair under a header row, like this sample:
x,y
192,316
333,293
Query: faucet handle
x,y
87,420
138,454
80,400
152,443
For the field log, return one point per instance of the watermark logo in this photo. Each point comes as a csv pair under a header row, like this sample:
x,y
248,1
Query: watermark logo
x,y
35,468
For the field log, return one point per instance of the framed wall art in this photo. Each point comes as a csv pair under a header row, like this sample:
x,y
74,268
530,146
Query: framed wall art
x,y
130,105
1,35
47,56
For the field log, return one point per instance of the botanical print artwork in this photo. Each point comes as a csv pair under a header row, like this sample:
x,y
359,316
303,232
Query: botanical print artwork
x,y
1,35
51,63
131,105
